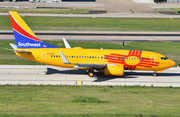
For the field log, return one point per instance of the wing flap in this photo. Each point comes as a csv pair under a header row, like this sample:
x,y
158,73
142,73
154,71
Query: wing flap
x,y
81,65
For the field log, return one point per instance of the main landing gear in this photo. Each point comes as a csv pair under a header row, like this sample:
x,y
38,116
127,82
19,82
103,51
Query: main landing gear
x,y
91,73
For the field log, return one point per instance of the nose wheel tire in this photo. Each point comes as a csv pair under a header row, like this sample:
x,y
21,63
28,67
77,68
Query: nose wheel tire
x,y
91,74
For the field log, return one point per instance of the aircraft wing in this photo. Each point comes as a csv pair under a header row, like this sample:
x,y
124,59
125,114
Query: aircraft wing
x,y
84,65
90,65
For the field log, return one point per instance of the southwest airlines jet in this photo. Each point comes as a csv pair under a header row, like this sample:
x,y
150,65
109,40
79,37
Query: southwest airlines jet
x,y
111,62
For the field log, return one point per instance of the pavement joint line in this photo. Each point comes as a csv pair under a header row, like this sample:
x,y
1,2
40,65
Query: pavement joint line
x,y
9,72
37,74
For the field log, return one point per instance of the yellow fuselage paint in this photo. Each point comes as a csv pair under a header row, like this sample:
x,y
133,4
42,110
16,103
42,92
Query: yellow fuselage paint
x,y
131,60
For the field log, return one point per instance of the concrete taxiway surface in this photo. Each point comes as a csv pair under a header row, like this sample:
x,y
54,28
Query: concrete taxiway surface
x,y
118,6
42,74
105,15
104,36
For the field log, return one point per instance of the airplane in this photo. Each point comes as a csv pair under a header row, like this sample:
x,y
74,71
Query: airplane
x,y
111,62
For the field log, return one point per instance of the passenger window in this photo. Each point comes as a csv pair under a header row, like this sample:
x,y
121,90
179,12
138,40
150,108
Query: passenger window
x,y
122,57
54,55
144,58
147,58
134,58
72,56
59,56
84,56
87,57
51,55
69,56
92,56
79,56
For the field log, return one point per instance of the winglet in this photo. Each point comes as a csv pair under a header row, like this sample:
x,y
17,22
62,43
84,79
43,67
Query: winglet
x,y
66,43
65,61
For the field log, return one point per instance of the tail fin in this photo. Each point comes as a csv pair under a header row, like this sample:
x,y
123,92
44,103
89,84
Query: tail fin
x,y
24,36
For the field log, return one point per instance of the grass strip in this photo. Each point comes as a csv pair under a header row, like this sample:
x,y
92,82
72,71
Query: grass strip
x,y
169,49
100,24
106,101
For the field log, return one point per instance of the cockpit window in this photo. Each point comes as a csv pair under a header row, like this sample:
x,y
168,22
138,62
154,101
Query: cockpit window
x,y
164,58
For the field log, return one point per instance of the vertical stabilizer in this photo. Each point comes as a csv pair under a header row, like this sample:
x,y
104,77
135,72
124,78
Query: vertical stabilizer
x,y
24,36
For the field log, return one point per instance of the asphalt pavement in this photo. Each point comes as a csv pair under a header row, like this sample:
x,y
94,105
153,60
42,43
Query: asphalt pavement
x,y
113,6
104,15
103,36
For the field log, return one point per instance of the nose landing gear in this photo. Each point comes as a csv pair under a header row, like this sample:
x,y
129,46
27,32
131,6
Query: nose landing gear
x,y
154,74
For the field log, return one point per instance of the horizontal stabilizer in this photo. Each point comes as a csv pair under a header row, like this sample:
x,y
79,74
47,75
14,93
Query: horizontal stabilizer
x,y
14,46
18,50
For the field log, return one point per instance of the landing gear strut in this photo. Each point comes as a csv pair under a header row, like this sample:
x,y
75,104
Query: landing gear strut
x,y
154,74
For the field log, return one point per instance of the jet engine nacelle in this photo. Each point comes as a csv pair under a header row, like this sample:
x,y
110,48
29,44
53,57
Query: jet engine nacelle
x,y
114,71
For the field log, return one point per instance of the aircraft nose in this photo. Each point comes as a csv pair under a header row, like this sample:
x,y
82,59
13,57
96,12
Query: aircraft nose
x,y
172,63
